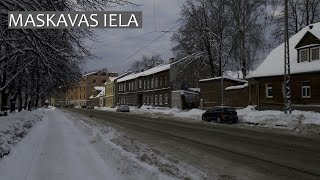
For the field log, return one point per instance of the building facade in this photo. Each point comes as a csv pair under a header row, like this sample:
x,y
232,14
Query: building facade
x,y
267,87
79,94
151,87
110,92
210,92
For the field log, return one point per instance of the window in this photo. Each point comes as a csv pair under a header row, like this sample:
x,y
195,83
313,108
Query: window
x,y
166,99
304,55
104,74
151,100
166,80
94,81
152,84
144,84
161,82
148,84
140,83
305,89
147,100
160,100
315,54
156,100
269,91
156,83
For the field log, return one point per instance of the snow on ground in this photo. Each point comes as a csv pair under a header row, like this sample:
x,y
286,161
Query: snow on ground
x,y
15,126
55,149
270,118
134,159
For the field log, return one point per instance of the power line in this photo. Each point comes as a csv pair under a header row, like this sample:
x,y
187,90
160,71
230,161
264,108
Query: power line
x,y
154,40
123,40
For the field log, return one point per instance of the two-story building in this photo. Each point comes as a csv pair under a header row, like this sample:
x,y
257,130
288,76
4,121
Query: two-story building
x,y
110,92
150,87
266,88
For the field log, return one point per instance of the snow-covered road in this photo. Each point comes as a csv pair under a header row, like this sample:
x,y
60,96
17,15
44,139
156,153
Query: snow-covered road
x,y
55,149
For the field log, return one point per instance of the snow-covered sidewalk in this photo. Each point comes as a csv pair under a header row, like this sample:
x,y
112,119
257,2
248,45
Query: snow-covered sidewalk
x,y
54,149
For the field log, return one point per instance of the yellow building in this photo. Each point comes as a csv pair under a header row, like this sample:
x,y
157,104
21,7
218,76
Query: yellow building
x,y
110,92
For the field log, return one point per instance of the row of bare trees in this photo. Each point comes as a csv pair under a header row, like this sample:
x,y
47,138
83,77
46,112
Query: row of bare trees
x,y
35,63
236,34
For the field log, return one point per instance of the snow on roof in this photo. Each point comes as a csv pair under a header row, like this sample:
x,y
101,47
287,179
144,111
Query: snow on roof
x,y
237,87
273,65
99,88
148,72
224,77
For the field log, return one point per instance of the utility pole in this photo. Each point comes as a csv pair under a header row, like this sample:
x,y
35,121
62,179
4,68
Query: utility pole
x,y
287,78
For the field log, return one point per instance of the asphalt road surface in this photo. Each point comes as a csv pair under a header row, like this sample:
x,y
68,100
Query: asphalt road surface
x,y
230,151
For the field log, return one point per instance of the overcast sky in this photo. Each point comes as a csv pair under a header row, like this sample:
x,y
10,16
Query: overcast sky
x,y
116,45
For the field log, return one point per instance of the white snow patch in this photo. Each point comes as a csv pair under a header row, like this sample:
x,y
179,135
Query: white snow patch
x,y
15,126
237,87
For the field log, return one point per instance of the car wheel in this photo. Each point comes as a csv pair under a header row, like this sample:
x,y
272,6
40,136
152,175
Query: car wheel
x,y
218,119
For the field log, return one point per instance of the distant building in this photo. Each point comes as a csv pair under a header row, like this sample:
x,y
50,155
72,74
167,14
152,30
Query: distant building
x,y
267,81
79,94
150,87
110,92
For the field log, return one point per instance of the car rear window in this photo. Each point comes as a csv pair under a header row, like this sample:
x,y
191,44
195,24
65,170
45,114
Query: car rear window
x,y
228,109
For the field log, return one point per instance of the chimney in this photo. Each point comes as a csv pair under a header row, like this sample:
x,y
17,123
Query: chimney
x,y
311,26
141,70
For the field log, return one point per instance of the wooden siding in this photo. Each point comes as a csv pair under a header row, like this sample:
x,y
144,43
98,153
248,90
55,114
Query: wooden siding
x,y
210,93
276,102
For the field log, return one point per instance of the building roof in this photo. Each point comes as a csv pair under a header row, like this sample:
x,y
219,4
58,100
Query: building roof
x,y
273,65
148,72
224,77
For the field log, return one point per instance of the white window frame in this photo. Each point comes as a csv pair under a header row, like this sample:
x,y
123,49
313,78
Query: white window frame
x,y
140,83
308,55
156,100
306,88
318,54
267,92
161,81
152,84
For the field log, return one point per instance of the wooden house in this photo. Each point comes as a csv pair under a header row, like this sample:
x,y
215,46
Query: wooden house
x,y
266,89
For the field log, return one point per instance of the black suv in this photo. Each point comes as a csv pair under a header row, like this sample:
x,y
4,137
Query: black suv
x,y
221,114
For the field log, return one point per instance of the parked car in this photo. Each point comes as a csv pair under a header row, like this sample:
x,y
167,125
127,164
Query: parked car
x,y
123,108
221,114
84,106
90,106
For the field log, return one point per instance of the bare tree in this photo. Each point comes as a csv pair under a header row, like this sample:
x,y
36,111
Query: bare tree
x,y
146,62
301,14
35,63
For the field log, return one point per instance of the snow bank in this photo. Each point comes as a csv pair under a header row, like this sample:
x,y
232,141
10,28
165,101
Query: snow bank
x,y
194,114
277,118
15,126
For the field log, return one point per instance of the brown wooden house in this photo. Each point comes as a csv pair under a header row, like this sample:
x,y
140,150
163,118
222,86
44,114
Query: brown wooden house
x,y
235,92
266,89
